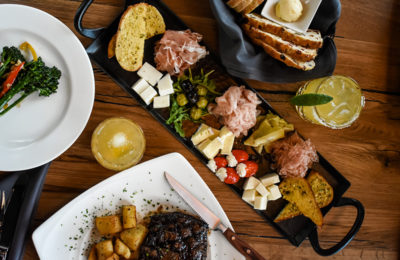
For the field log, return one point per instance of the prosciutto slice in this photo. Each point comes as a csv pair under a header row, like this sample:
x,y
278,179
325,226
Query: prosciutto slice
x,y
178,50
293,156
236,109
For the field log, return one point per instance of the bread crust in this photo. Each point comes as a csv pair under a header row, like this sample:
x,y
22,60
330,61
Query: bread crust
x,y
296,52
309,65
253,5
312,38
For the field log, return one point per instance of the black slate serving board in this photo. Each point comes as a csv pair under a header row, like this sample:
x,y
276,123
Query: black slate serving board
x,y
296,230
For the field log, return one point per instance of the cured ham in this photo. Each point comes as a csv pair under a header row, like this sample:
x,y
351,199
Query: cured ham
x,y
293,156
236,109
178,50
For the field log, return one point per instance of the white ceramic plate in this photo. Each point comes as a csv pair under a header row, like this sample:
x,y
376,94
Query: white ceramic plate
x,y
70,232
310,8
42,128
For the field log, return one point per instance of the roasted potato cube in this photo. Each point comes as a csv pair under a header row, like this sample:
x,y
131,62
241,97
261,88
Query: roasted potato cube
x,y
128,216
122,249
108,224
113,257
135,255
92,253
104,249
134,237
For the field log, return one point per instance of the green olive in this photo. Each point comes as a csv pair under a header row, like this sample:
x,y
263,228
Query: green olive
x,y
181,99
202,103
201,90
195,113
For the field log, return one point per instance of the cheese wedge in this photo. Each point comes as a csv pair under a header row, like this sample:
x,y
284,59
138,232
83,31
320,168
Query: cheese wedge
x,y
269,179
262,190
251,183
260,202
202,133
249,196
274,192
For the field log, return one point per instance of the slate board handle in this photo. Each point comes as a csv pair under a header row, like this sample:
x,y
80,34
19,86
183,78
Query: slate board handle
x,y
90,33
350,235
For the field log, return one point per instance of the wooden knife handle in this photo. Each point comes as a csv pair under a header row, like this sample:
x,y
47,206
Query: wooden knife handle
x,y
242,246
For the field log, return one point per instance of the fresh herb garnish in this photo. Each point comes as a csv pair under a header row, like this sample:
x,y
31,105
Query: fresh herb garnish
x,y
181,109
311,99
176,115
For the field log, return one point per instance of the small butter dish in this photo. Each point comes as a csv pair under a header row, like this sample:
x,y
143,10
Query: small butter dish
x,y
310,8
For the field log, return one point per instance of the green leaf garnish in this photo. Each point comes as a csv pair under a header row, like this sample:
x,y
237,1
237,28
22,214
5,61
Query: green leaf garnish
x,y
310,99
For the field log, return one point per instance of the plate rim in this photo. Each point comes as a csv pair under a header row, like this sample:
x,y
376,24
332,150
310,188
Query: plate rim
x,y
37,233
84,119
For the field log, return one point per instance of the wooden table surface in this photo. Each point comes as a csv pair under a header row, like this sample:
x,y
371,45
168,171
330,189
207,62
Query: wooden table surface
x,y
367,153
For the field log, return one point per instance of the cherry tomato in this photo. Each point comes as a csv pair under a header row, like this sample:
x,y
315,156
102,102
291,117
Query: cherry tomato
x,y
232,176
240,155
221,162
251,168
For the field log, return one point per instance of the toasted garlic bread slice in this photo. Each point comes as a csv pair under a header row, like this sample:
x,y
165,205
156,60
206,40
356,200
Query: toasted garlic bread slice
x,y
129,48
154,22
138,23
323,194
298,192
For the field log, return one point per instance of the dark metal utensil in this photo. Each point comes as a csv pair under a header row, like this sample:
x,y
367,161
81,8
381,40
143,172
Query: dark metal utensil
x,y
212,220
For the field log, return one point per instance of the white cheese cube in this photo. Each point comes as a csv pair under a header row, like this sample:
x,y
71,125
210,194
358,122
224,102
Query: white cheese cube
x,y
202,133
274,192
149,73
251,183
228,138
203,144
249,196
232,162
148,94
161,102
222,174
260,202
165,86
212,149
262,190
269,179
228,144
140,86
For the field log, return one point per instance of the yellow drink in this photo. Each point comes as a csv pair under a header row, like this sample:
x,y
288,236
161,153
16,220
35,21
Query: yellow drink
x,y
342,111
118,143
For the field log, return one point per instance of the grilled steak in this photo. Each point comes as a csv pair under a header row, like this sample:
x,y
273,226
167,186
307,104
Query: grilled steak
x,y
176,236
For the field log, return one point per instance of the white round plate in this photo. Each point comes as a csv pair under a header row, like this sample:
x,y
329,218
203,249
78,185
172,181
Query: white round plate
x,y
70,232
42,128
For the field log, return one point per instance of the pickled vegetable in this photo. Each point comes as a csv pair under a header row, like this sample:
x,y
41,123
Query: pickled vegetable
x,y
195,113
201,90
182,100
202,103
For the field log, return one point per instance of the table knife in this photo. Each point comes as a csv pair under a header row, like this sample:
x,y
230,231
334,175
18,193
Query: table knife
x,y
212,220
